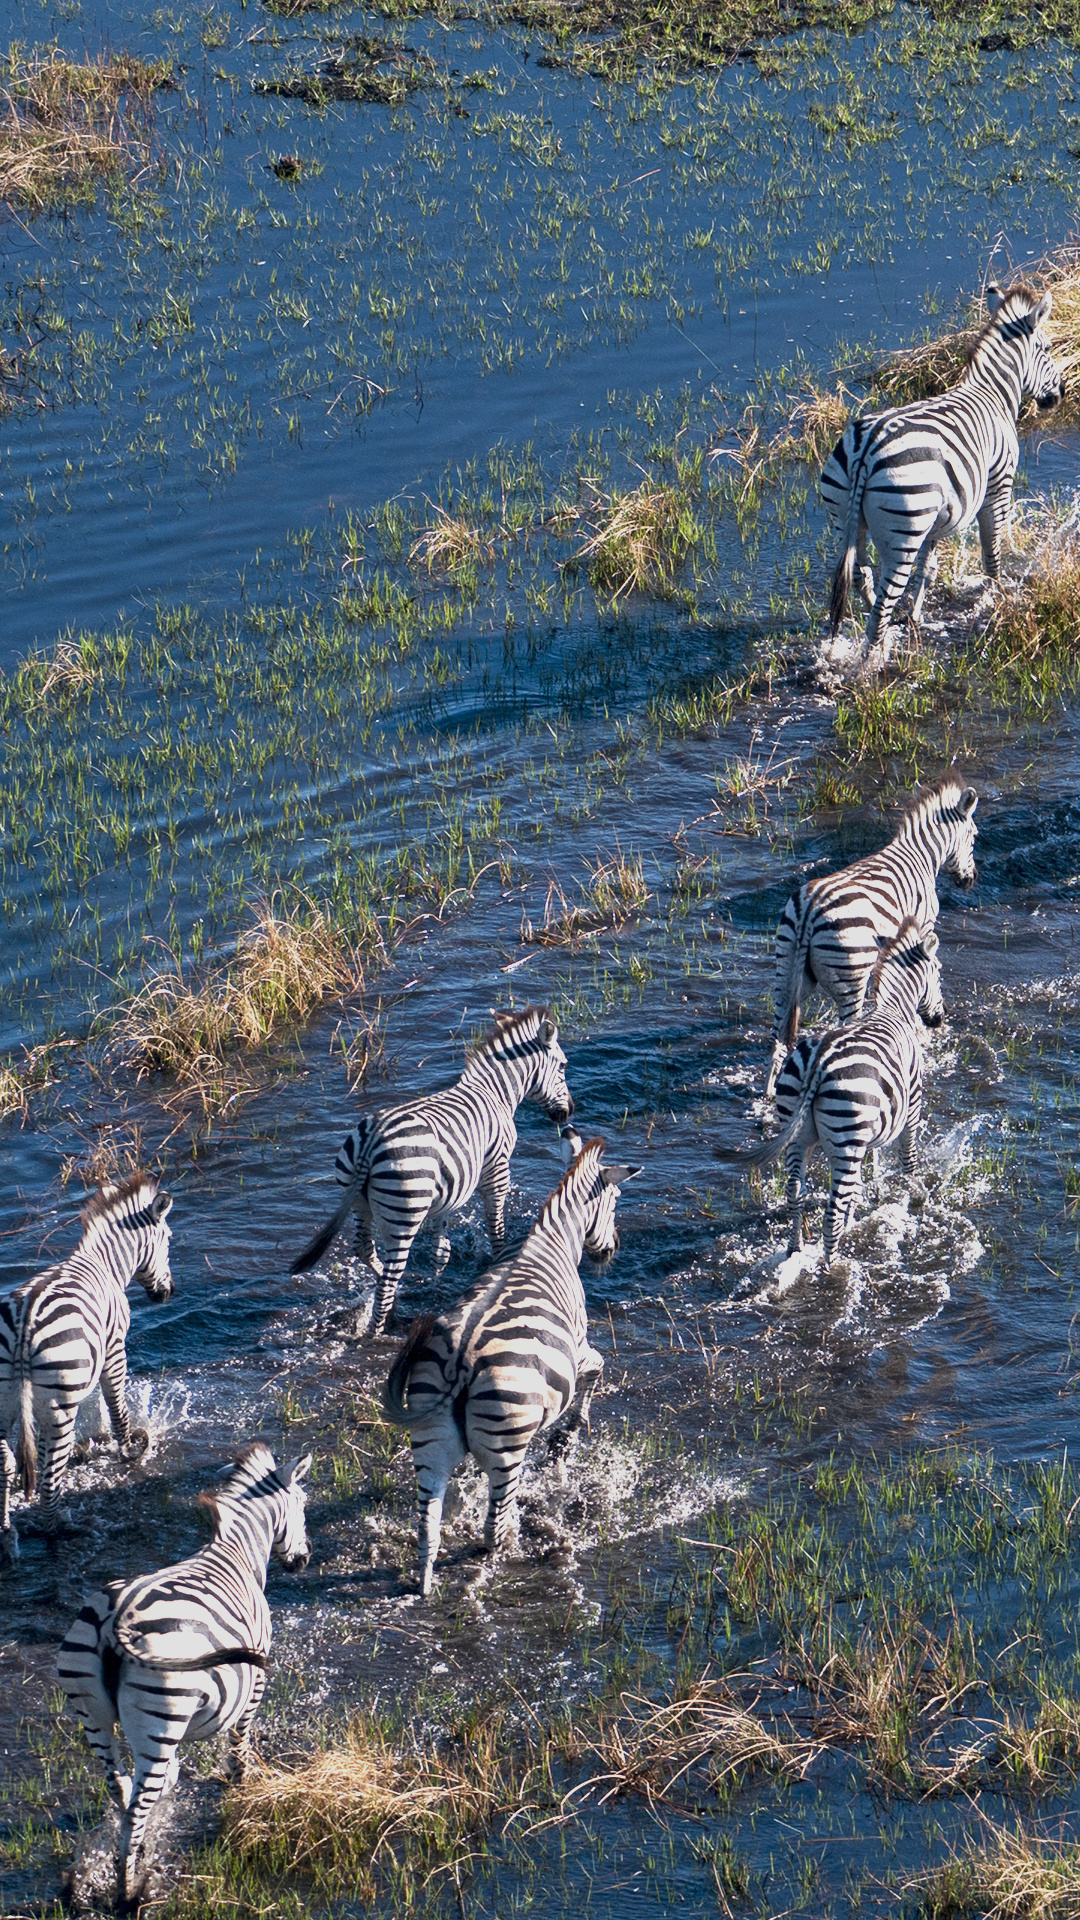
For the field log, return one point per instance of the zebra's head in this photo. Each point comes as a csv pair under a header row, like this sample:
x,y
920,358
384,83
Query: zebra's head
x,y
960,859
133,1215
602,1187
291,1544
908,973
548,1089
1019,315
260,1507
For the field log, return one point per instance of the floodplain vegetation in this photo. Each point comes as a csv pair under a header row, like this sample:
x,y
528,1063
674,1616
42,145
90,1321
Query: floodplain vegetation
x,y
65,126
888,1645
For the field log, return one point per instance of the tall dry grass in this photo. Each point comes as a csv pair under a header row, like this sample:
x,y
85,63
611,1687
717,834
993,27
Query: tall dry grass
x,y
1011,1875
62,123
188,1025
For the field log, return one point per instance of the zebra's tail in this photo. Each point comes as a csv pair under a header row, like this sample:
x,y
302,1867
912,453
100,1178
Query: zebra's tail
x,y
26,1452
787,1014
395,1407
317,1247
844,577
747,1159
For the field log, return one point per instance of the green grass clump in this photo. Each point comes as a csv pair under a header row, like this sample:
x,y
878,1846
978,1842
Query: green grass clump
x,y
641,540
1012,1875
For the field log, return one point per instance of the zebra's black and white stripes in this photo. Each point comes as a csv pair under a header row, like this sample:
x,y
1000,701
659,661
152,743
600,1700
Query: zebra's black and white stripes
x,y
423,1159
833,929
910,476
65,1332
181,1654
510,1359
857,1088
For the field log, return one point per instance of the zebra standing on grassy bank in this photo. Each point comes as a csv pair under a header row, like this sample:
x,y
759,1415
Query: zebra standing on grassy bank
x,y
832,929
406,1165
511,1359
65,1332
181,1654
910,476
859,1087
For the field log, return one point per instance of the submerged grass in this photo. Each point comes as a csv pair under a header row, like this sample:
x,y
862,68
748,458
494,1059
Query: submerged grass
x,y
63,125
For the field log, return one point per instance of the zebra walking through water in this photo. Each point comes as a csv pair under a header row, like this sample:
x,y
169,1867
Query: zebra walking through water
x,y
181,1654
512,1358
833,928
859,1087
65,1333
910,476
424,1159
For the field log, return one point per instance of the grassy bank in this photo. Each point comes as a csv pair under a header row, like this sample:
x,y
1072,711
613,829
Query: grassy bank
x,y
893,1634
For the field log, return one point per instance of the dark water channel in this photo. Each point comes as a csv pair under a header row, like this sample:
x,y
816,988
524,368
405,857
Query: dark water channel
x,y
531,273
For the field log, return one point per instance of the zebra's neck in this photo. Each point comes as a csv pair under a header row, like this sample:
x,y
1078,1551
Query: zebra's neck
x,y
110,1258
929,840
998,370
505,1076
248,1527
899,993
562,1217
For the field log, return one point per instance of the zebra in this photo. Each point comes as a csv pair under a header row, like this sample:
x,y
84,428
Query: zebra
x,y
911,475
181,1654
857,1087
64,1333
425,1158
512,1358
832,929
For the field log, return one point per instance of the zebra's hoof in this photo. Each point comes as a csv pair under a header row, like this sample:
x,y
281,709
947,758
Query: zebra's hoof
x,y
136,1444
9,1547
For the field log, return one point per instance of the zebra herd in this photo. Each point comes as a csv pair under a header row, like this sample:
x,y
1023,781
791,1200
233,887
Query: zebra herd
x,y
181,1653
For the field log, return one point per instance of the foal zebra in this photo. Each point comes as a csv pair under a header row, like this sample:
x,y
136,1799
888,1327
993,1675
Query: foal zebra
x,y
910,476
181,1654
858,1087
510,1359
833,928
65,1332
424,1159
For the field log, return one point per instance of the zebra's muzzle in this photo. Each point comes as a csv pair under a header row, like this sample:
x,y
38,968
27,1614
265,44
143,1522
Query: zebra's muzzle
x,y
296,1562
935,1019
560,1111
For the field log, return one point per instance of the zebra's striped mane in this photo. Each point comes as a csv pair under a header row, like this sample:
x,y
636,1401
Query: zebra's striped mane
x,y
250,1469
1016,304
900,938
592,1151
521,1025
937,798
117,1199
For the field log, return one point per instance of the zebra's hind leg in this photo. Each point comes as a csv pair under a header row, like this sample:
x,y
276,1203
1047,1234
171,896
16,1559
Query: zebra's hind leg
x,y
565,1431
924,574
81,1672
795,1161
240,1735
56,1433
386,1289
9,1539
841,1206
364,1242
863,568
442,1254
906,1144
156,1766
501,1517
437,1450
494,1191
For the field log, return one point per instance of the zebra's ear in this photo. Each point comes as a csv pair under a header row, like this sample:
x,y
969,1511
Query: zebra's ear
x,y
930,944
618,1176
994,297
1042,311
968,801
548,1030
298,1469
572,1143
160,1205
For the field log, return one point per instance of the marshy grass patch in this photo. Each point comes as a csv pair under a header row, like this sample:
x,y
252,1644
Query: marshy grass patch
x,y
372,1807
640,539
1012,1874
190,1026
64,125
614,889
